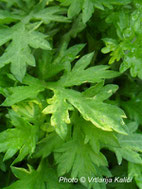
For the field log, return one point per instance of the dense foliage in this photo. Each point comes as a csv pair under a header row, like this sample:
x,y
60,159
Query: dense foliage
x,y
70,93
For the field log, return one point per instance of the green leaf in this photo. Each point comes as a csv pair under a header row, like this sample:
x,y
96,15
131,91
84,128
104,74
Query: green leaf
x,y
50,14
74,8
135,171
87,6
7,17
22,138
61,112
106,92
78,157
47,145
87,10
18,53
79,74
132,126
125,46
132,141
2,164
127,154
43,177
20,93
59,109
98,138
104,116
93,90
63,60
12,2
133,106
